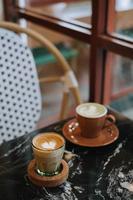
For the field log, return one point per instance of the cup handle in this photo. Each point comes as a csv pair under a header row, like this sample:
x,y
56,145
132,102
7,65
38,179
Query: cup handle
x,y
110,119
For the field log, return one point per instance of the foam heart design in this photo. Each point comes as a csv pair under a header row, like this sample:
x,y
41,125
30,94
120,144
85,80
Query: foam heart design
x,y
49,145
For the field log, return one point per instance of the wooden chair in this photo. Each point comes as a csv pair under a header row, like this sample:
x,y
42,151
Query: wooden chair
x,y
68,78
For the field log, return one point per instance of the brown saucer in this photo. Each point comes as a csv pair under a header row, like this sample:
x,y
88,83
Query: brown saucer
x,y
48,181
72,132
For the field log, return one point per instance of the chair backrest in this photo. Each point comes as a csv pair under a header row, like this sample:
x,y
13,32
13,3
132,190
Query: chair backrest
x,y
68,78
20,98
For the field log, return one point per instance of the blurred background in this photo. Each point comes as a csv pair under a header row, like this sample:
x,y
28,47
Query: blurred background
x,y
96,38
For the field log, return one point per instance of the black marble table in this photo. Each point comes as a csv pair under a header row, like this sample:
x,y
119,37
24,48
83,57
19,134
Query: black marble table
x,y
101,173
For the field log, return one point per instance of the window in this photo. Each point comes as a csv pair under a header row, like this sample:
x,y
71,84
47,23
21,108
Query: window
x,y
108,31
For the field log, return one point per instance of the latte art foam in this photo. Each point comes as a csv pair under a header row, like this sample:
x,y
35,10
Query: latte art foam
x,y
91,110
49,145
48,141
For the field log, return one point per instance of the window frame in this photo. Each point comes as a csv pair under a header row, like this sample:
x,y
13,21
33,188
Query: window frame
x,y
99,35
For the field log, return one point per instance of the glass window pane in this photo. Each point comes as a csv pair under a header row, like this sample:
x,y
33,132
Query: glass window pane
x,y
70,10
122,85
124,14
122,73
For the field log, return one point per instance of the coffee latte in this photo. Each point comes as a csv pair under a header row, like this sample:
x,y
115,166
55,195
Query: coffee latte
x,y
48,150
91,110
48,141
92,118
